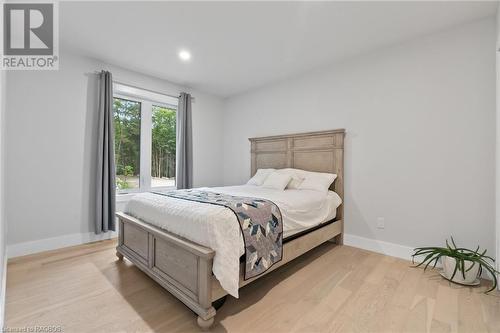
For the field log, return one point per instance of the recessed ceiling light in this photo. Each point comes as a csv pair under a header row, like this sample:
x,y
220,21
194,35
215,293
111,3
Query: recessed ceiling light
x,y
184,55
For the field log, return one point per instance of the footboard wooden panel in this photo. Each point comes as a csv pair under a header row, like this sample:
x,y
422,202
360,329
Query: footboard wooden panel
x,y
180,266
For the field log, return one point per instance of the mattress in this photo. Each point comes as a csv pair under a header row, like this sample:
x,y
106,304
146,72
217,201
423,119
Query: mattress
x,y
215,226
300,209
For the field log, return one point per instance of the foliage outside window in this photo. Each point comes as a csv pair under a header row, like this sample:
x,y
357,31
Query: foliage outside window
x,y
163,147
127,122
144,155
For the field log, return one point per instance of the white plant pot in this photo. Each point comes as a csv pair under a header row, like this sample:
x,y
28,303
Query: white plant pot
x,y
449,266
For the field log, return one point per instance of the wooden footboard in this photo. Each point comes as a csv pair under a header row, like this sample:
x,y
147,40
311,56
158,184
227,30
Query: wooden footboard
x,y
180,266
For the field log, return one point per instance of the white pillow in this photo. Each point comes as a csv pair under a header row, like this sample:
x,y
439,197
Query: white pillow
x,y
296,180
277,181
260,176
317,181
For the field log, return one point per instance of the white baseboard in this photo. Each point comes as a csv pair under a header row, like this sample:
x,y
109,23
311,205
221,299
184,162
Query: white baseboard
x,y
47,244
390,249
22,249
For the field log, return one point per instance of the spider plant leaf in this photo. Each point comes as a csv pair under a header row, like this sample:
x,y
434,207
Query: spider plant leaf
x,y
453,242
488,257
464,250
436,261
459,264
426,252
462,262
487,265
476,253
455,270
495,282
430,261
421,252
425,260
471,266
491,270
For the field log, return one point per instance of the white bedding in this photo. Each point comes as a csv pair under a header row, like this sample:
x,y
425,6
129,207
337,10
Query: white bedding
x,y
215,226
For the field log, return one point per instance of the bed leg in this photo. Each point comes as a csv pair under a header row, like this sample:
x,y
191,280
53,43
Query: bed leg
x,y
339,239
205,324
119,255
219,303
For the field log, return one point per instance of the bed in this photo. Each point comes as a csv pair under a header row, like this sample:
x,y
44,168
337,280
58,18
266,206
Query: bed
x,y
157,233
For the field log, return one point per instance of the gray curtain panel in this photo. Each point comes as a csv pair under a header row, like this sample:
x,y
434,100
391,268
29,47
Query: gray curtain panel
x,y
106,187
184,150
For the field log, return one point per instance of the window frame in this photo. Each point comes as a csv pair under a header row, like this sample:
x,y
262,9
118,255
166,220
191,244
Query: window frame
x,y
146,136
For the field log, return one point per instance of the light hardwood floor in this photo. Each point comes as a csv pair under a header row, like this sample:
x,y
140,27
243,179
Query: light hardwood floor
x,y
330,289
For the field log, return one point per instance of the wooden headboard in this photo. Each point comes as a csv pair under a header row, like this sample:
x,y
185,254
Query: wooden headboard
x,y
314,151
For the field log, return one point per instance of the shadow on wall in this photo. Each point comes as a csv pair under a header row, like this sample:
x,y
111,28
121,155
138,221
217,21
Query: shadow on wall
x,y
89,153
351,210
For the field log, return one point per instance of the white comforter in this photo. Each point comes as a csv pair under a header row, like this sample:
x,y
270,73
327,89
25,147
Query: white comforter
x,y
215,226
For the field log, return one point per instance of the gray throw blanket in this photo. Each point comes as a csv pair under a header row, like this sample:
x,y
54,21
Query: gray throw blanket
x,y
260,222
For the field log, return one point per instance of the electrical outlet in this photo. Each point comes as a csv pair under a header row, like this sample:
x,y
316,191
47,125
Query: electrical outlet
x,y
380,223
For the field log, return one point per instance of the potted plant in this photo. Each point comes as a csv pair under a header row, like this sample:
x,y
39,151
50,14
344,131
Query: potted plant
x,y
460,265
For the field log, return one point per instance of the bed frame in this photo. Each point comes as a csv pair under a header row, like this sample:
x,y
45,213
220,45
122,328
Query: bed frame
x,y
184,268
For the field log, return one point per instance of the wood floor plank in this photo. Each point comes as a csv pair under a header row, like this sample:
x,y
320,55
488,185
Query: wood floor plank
x,y
330,289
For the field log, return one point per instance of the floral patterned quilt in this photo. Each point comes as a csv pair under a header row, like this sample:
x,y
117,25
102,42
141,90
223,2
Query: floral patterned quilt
x,y
260,222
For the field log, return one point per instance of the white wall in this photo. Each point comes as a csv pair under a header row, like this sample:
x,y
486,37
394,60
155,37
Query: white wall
x,y
420,144
51,144
3,229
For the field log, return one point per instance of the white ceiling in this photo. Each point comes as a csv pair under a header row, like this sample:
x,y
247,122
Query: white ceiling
x,y
237,46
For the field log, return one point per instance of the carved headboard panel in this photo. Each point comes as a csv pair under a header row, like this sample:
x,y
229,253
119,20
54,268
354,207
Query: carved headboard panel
x,y
315,151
